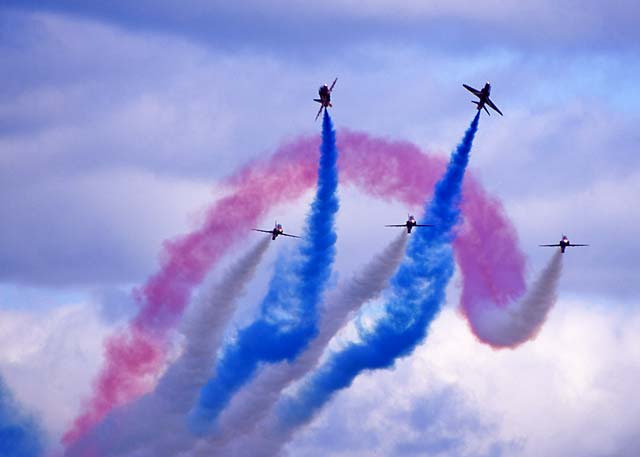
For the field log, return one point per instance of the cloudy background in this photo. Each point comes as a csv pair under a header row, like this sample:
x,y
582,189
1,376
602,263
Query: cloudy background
x,y
117,120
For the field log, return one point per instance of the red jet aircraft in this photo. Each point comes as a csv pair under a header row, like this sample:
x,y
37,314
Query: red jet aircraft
x,y
325,97
483,95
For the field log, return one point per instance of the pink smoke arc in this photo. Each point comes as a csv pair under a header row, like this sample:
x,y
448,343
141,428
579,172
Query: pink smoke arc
x,y
133,357
487,252
186,260
386,169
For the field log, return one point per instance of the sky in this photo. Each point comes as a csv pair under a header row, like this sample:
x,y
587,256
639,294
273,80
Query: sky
x,y
120,122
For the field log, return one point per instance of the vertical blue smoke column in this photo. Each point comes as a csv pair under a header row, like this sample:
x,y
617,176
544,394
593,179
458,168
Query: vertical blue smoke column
x,y
288,318
416,295
19,435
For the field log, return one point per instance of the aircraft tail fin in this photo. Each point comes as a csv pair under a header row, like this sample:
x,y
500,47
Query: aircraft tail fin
x,y
485,108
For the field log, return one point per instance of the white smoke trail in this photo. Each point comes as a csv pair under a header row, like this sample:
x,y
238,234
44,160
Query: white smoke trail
x,y
254,404
521,321
155,424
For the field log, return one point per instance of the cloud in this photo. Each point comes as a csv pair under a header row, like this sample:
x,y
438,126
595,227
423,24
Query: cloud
x,y
77,231
598,215
455,396
169,108
116,117
297,28
443,422
48,359
19,433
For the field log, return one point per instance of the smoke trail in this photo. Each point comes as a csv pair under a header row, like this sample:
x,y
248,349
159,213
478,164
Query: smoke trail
x,y
493,295
156,421
134,356
417,293
487,251
289,310
254,402
20,436
390,170
522,321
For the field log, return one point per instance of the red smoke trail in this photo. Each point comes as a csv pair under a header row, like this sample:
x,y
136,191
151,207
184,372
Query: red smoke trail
x,y
487,252
135,356
385,169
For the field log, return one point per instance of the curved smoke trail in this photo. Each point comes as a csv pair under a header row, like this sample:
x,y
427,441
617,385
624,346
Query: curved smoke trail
x,y
155,422
136,355
20,436
495,301
253,403
486,247
288,319
523,320
416,295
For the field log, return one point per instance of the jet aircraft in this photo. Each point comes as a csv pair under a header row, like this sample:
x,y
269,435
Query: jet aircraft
x,y
277,230
483,95
325,97
563,244
411,222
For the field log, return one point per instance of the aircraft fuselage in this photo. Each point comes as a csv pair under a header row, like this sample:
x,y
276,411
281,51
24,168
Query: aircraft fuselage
x,y
325,95
410,224
564,242
277,230
484,96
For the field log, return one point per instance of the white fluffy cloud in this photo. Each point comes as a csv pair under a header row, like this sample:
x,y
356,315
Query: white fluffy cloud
x,y
569,392
453,396
48,359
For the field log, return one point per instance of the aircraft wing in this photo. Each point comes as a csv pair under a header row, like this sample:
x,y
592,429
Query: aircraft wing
x,y
578,244
263,231
549,245
490,103
319,111
396,225
475,92
333,84
292,236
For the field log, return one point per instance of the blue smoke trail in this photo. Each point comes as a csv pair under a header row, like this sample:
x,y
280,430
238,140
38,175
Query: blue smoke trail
x,y
289,317
19,435
416,296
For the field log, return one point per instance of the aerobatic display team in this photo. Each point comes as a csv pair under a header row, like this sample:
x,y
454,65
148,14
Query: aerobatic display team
x,y
342,329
